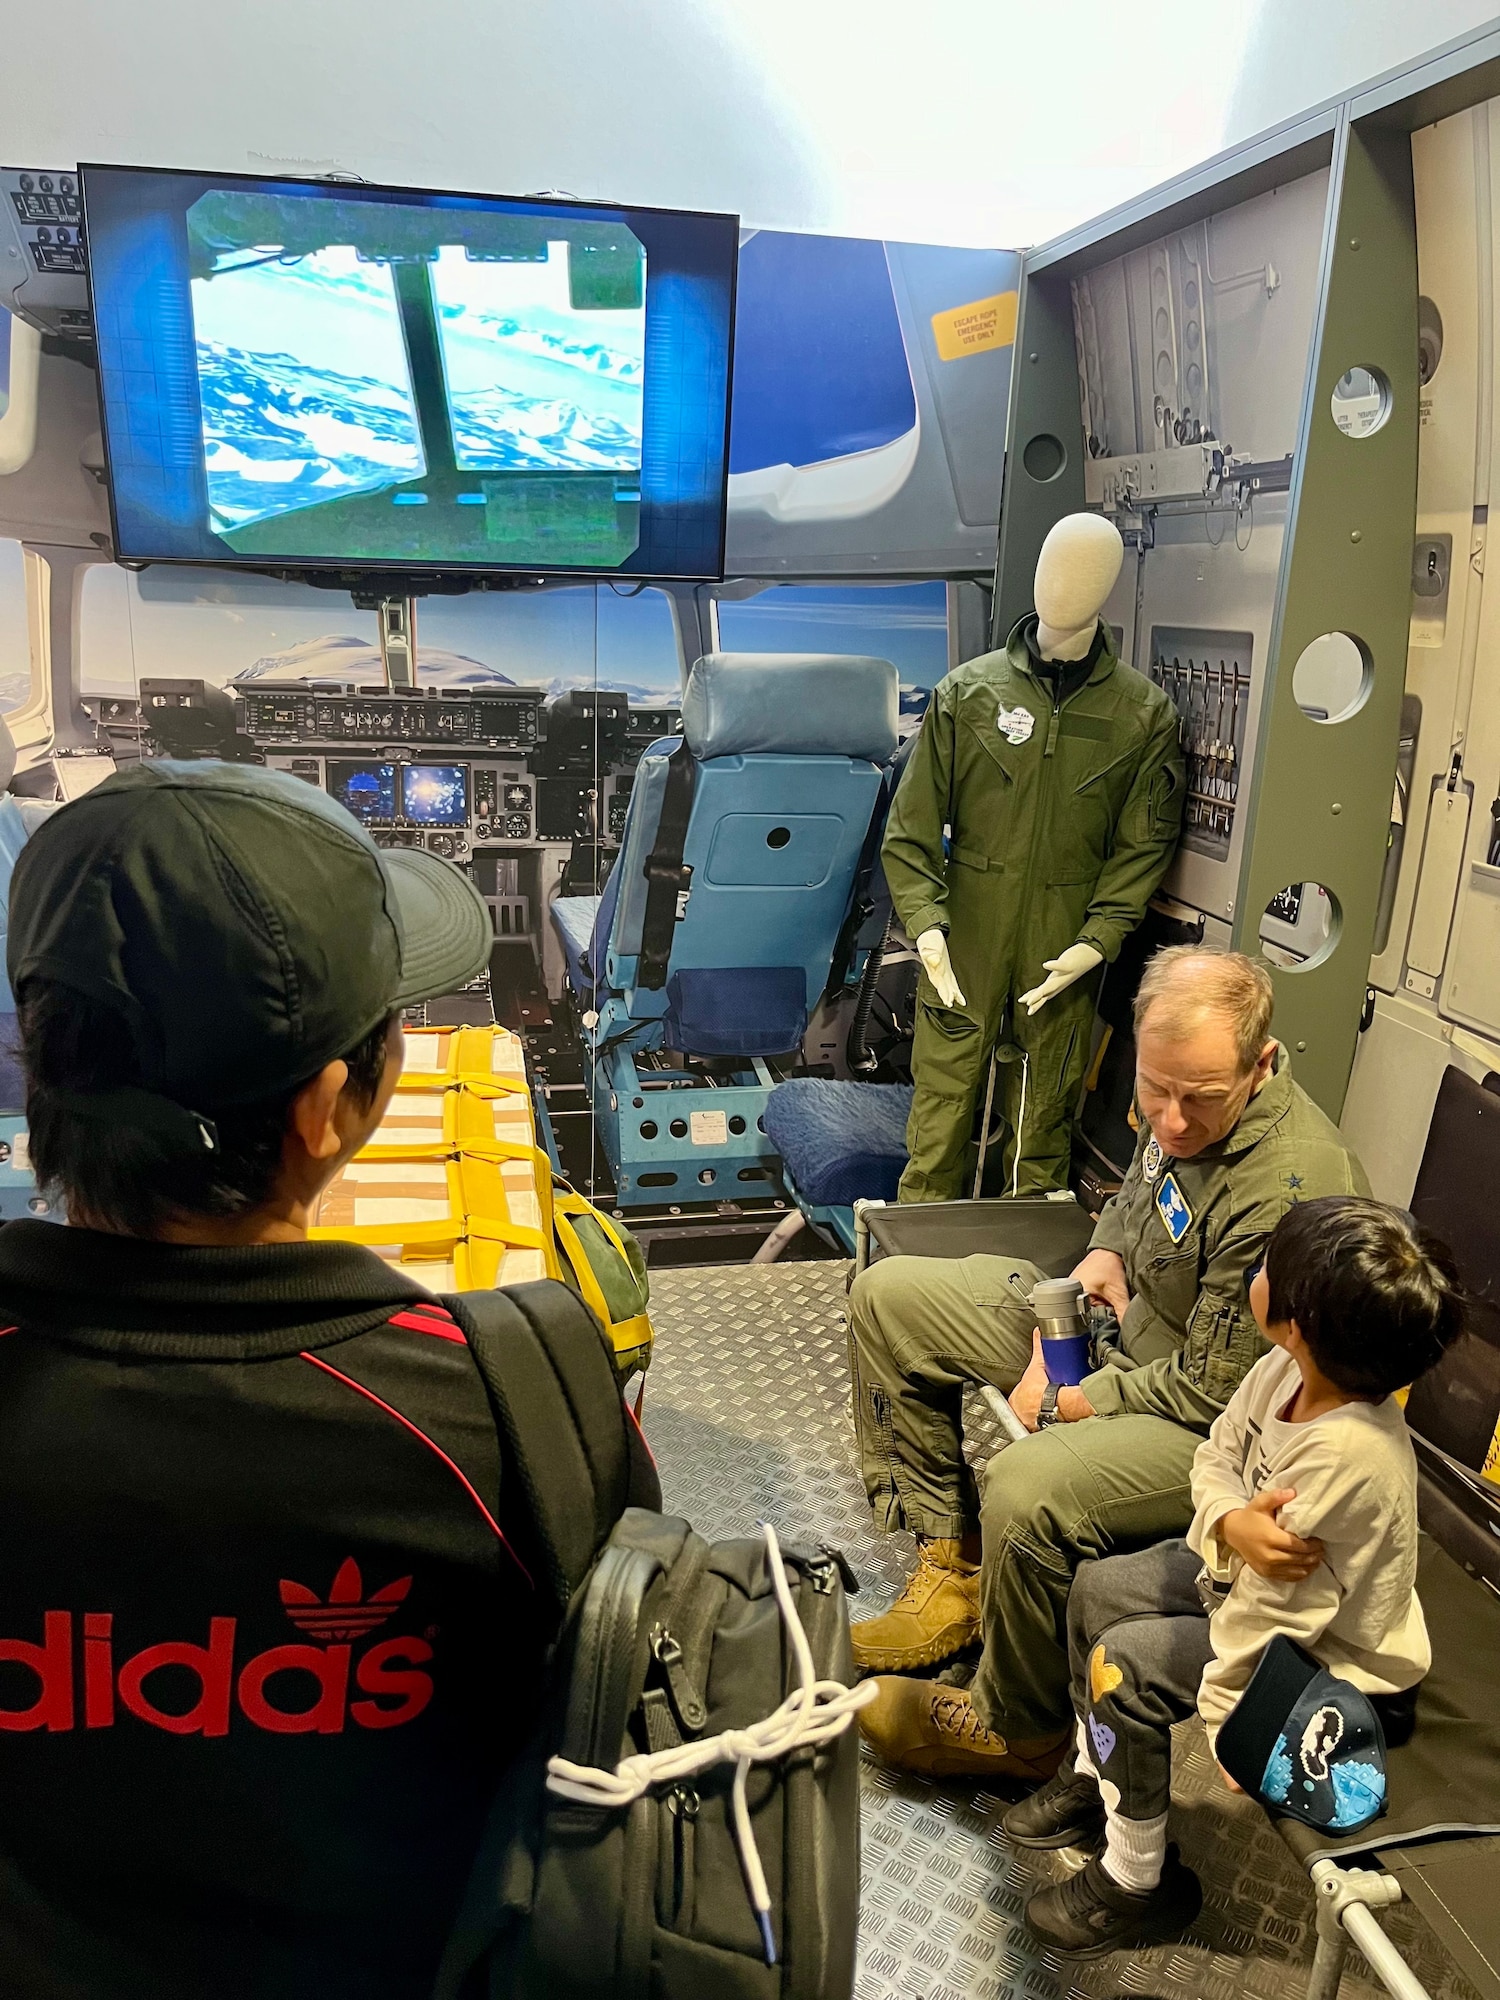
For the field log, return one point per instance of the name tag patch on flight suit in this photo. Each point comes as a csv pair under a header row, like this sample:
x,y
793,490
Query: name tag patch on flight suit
x,y
1015,724
1171,1206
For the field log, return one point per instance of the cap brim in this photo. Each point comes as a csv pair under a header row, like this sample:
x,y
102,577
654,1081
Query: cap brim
x,y
445,924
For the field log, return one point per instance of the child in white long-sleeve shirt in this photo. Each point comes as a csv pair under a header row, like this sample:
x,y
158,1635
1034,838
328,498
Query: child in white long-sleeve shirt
x,y
1305,1524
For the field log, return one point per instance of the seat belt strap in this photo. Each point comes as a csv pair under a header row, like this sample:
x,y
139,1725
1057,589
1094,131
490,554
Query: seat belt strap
x,y
667,878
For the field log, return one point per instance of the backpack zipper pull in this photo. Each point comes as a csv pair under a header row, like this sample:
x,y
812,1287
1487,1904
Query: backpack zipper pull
x,y
687,1704
821,1566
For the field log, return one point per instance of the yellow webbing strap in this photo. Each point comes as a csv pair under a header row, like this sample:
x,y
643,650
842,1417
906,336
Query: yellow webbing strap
x,y
436,1149
583,1270
628,1333
444,1234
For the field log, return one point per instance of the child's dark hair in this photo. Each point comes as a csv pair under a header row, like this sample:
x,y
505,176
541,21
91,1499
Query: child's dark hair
x,y
1376,1298
124,1178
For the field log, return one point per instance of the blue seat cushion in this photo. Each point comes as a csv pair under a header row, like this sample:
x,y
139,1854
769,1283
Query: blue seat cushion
x,y
12,1077
573,919
842,1142
736,1010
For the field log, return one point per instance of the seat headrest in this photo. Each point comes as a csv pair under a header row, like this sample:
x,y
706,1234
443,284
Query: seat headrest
x,y
798,704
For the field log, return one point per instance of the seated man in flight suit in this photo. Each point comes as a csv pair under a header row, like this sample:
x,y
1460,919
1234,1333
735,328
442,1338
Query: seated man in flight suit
x,y
267,1645
1228,1141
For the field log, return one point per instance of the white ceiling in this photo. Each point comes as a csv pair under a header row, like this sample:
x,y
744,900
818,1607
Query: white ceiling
x,y
972,121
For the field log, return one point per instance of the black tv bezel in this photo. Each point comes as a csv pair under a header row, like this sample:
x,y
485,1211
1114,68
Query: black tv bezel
x,y
409,578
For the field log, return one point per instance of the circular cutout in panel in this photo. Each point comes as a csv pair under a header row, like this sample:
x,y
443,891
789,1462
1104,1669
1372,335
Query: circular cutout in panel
x,y
1361,402
1044,456
1190,295
1332,677
1300,926
1429,339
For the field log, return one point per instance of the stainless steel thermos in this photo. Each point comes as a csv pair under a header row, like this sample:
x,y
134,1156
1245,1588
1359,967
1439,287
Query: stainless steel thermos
x,y
1061,1317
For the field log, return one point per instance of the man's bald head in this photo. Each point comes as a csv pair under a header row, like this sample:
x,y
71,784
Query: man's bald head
x,y
1202,1042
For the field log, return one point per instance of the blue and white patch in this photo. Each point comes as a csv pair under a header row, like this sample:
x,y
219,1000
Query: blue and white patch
x,y
1171,1206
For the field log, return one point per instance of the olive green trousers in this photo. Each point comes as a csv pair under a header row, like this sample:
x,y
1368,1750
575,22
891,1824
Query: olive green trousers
x,y
1039,1076
920,1329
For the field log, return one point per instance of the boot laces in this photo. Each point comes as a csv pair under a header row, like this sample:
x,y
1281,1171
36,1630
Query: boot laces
x,y
930,1569
955,1715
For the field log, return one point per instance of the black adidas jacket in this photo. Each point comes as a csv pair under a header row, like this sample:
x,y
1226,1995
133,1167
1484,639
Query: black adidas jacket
x,y
267,1639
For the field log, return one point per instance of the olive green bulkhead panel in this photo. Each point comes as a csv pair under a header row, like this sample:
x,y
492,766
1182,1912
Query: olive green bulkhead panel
x,y
1320,797
1318,801
1044,442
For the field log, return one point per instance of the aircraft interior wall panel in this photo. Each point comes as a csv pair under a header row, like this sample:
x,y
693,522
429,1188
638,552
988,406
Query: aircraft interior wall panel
x,y
1446,159
1196,582
1399,1064
1214,322
1257,339
55,498
1470,992
1213,326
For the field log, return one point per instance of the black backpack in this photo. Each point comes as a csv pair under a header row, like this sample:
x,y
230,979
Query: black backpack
x,y
665,1641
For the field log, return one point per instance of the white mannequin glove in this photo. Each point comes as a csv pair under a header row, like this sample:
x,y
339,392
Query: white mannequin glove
x,y
932,949
1061,972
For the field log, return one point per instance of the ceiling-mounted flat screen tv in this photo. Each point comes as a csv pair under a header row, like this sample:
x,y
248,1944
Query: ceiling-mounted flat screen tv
x,y
316,375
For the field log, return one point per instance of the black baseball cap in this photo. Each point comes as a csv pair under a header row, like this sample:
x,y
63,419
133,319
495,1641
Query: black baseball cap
x,y
241,923
1306,1743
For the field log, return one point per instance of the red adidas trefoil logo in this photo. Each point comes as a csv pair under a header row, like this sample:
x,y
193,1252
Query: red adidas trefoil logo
x,y
378,1686
346,1615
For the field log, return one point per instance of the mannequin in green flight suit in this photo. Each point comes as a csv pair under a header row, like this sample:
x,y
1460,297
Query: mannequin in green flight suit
x,y
1058,776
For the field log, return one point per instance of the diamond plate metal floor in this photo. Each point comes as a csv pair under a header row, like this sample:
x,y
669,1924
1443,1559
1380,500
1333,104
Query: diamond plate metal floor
x,y
747,1410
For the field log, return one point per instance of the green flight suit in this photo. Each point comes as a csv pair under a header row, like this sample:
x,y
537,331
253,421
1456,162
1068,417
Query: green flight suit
x,y
1063,811
922,1327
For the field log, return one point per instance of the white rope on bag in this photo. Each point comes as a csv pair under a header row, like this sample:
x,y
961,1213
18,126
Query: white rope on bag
x,y
1015,1172
815,1712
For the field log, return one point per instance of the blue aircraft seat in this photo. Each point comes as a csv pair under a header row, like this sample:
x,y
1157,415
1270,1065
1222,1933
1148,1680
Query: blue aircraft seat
x,y
573,919
840,1142
717,926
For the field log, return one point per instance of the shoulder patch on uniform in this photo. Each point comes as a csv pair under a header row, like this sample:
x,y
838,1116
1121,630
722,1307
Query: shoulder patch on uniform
x,y
1172,1207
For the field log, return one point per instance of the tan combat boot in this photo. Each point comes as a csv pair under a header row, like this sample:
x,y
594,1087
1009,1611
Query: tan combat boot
x,y
936,1615
925,1727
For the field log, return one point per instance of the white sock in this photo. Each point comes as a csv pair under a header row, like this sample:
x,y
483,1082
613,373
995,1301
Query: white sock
x,y
1135,1849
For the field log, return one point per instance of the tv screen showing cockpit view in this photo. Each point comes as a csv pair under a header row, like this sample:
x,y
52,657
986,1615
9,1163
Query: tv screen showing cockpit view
x,y
327,374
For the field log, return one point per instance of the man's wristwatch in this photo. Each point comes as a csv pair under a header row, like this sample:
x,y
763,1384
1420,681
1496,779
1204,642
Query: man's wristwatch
x,y
1048,1412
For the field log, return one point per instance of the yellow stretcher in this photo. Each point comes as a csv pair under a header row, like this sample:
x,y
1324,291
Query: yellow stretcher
x,y
454,1188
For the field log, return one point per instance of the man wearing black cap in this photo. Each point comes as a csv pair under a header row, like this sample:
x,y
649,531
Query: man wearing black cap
x,y
267,1640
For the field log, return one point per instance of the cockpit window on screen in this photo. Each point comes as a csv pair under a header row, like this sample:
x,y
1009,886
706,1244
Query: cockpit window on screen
x,y
323,375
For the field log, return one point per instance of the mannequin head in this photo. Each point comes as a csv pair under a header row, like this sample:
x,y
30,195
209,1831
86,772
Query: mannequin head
x,y
1075,573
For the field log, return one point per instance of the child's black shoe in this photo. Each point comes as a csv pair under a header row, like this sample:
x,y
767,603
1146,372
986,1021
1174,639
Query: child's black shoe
x,y
1091,1914
1067,1813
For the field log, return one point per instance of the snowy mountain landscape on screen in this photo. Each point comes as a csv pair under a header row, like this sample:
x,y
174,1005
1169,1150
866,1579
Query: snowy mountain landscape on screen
x,y
306,392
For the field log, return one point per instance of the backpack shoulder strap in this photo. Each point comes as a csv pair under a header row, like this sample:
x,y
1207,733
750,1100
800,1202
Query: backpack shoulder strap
x,y
564,1428
666,877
